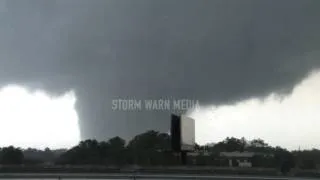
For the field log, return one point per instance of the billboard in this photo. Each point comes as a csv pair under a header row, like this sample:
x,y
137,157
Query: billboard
x,y
182,133
187,133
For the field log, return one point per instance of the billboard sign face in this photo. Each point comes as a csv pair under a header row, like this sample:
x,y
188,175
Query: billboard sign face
x,y
182,133
187,133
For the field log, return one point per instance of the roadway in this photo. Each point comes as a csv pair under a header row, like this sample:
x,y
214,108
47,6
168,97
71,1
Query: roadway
x,y
38,176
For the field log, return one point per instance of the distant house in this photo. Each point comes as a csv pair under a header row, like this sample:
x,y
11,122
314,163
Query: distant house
x,y
238,159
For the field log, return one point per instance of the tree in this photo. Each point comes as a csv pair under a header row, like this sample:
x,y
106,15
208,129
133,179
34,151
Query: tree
x,y
307,159
116,152
258,143
308,164
86,152
230,144
150,148
283,159
35,156
117,143
11,155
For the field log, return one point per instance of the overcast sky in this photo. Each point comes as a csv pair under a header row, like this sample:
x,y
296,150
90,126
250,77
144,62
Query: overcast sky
x,y
228,54
290,121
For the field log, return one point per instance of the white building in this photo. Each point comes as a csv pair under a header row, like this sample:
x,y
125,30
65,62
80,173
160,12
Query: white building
x,y
238,159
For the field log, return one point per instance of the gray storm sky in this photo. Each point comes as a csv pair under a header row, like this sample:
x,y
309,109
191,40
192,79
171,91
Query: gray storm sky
x,y
216,51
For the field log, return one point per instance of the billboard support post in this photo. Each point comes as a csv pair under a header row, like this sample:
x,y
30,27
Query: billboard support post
x,y
183,157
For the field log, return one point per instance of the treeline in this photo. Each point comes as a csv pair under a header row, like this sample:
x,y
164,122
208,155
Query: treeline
x,y
11,155
150,148
153,149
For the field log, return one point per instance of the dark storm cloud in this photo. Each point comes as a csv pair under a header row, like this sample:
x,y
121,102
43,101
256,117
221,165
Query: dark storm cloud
x,y
213,51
